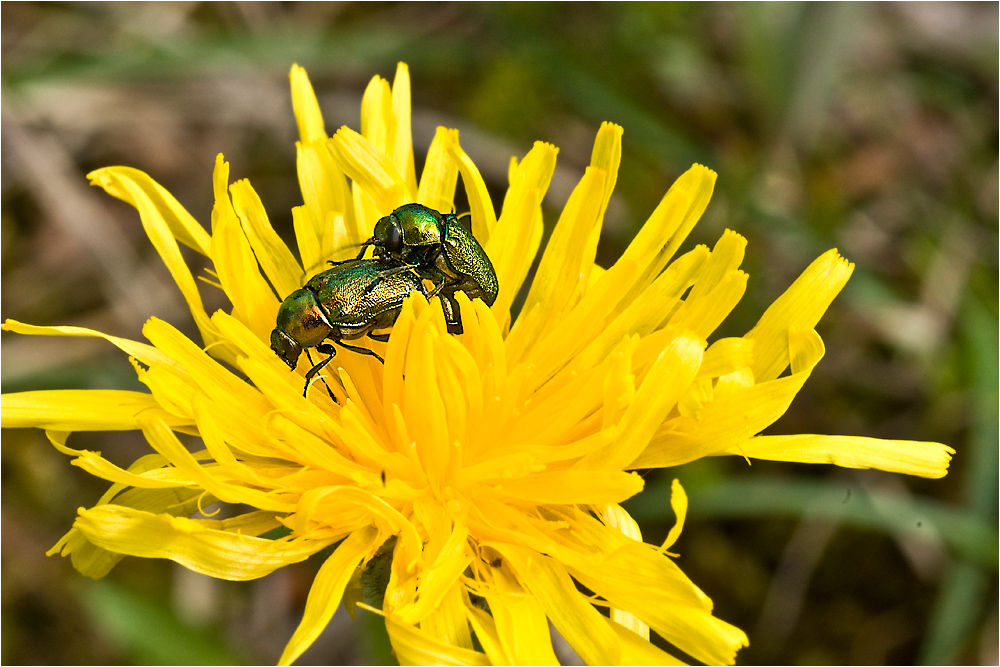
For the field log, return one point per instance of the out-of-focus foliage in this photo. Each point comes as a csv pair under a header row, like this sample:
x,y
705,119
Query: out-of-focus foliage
x,y
872,128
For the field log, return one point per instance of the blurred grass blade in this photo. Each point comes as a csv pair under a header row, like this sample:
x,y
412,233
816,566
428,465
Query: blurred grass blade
x,y
145,628
964,534
963,591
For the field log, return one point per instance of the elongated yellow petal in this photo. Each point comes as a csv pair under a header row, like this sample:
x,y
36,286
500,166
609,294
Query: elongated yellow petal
x,y
559,272
217,553
660,390
327,200
668,226
167,444
521,628
156,478
164,226
799,307
413,646
235,264
486,633
616,517
180,223
80,410
370,170
606,156
277,261
679,504
576,620
662,597
145,353
447,620
401,142
515,239
440,175
439,577
95,562
305,106
484,217
735,415
924,459
639,651
586,486
327,590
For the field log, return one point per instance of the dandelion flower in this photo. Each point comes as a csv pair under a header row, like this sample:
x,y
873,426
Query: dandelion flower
x,y
486,469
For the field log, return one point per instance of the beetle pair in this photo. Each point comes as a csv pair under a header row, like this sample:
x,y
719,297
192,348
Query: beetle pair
x,y
357,297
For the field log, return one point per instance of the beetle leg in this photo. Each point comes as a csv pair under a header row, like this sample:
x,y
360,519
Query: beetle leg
x,y
364,248
314,371
359,350
382,338
434,292
388,272
452,315
397,269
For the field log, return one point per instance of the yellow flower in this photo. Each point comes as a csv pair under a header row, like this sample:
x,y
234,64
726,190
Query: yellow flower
x,y
488,466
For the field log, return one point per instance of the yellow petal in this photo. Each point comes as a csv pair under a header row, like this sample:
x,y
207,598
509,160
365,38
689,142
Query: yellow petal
x,y
370,169
327,590
580,624
668,226
161,477
639,579
145,353
212,479
80,410
679,504
437,579
560,269
733,416
637,650
217,553
377,119
447,619
181,224
325,193
616,517
165,225
606,156
925,459
440,175
484,217
413,646
629,277
521,628
662,387
485,628
306,107
236,266
514,241
799,307
277,261
568,486
95,562
401,142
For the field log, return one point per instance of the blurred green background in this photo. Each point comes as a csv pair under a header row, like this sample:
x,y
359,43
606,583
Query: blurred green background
x,y
867,127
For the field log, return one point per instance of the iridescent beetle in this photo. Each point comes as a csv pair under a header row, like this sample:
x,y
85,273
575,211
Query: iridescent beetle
x,y
351,300
441,250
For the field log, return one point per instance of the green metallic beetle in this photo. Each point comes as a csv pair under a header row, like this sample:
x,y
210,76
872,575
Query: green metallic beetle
x,y
351,300
441,250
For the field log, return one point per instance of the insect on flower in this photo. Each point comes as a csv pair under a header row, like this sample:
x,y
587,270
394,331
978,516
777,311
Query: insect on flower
x,y
440,248
351,300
